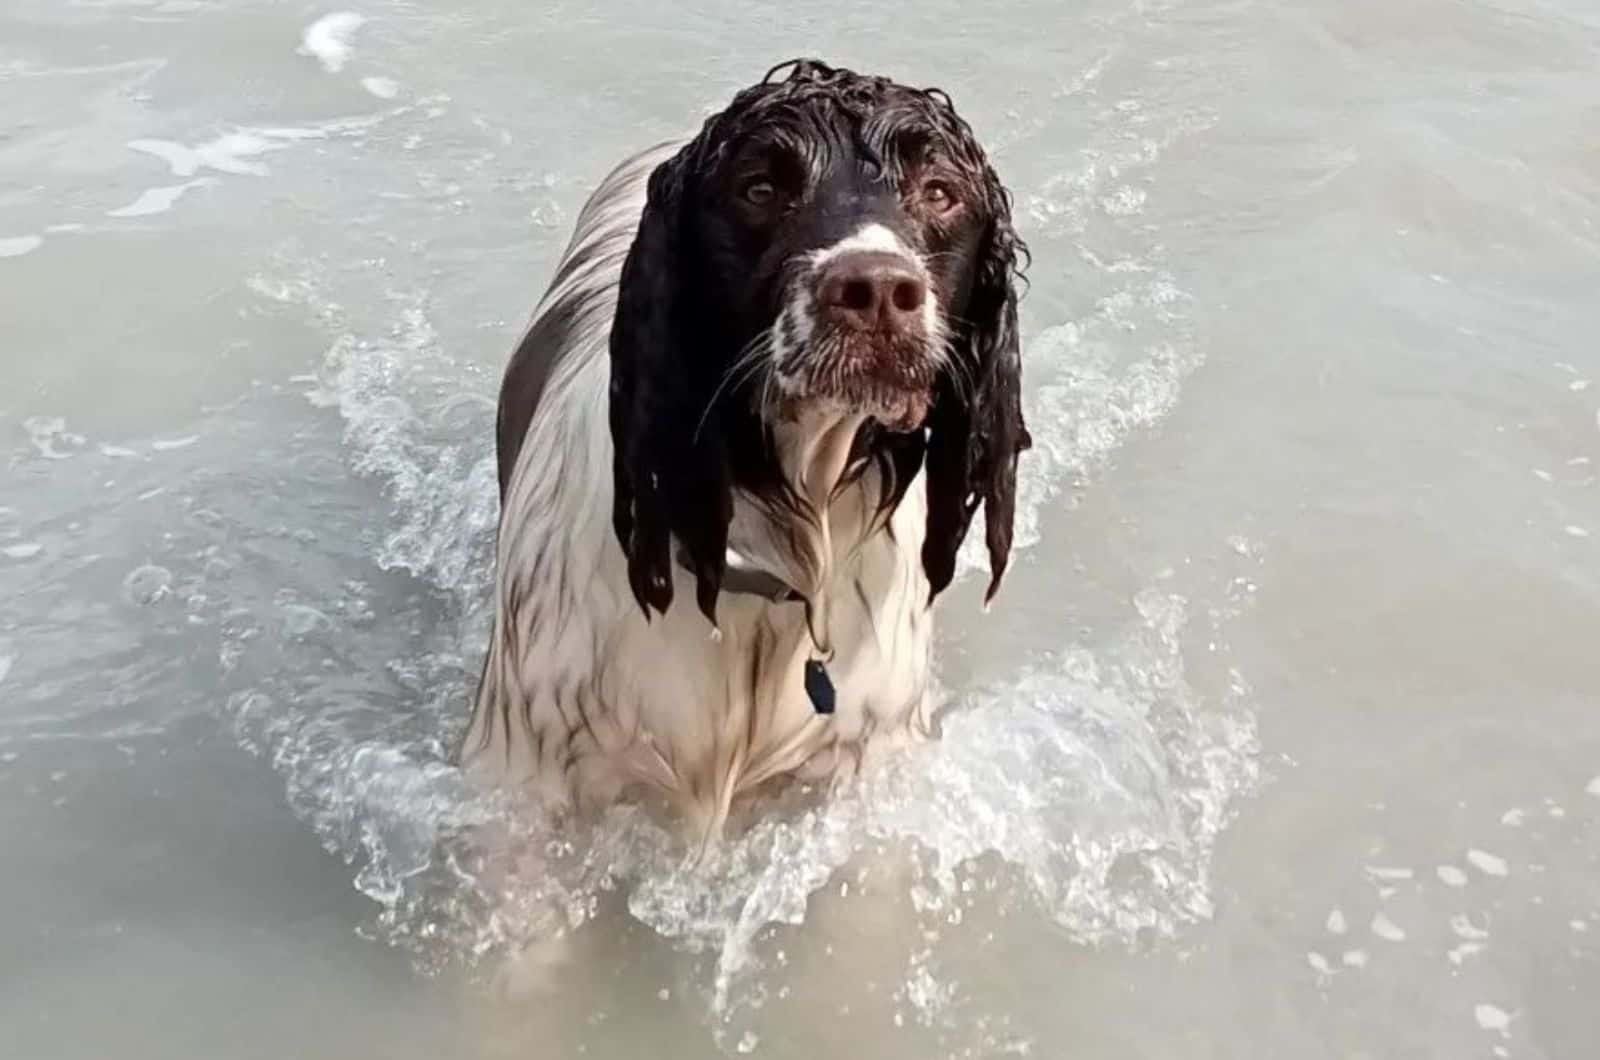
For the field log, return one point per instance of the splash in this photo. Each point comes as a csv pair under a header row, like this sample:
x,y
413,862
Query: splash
x,y
1098,775
328,39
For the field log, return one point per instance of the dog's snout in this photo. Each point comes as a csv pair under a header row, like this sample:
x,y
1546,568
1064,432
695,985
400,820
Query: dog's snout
x,y
872,291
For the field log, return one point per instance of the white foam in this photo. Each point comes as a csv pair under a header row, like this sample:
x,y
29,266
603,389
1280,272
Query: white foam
x,y
1387,929
1513,818
1487,863
1381,873
6,662
1319,963
328,39
16,246
183,161
1354,958
382,87
117,452
226,154
155,200
1126,201
1593,787
25,550
1491,1017
235,153
1576,531
1091,400
1451,876
1336,923
48,434
1465,928
165,445
1459,954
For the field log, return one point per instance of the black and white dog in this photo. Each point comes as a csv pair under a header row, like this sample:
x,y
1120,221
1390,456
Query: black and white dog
x,y
777,372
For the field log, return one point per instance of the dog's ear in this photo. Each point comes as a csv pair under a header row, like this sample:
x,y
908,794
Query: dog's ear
x,y
670,479
976,431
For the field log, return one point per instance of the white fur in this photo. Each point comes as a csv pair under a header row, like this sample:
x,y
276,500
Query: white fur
x,y
869,237
800,310
583,698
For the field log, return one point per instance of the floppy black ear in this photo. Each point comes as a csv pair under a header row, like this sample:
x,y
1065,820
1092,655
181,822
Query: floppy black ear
x,y
669,478
976,432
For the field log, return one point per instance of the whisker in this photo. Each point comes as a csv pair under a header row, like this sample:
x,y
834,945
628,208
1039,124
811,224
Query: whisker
x,y
747,362
959,370
940,255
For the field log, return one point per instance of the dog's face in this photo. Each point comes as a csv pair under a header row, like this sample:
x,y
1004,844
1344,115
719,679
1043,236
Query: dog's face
x,y
842,235
828,241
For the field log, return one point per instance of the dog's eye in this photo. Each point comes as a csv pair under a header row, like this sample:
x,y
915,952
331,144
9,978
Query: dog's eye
x,y
938,196
759,191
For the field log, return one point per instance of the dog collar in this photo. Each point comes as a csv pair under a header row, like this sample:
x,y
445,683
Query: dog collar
x,y
742,577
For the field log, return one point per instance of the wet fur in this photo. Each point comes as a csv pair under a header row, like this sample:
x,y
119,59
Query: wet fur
x,y
629,465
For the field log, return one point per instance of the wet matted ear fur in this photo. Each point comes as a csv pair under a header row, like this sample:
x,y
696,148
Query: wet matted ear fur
x,y
673,479
669,478
976,432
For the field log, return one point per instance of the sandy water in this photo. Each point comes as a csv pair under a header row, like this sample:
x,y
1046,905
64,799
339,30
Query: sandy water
x,y
1282,741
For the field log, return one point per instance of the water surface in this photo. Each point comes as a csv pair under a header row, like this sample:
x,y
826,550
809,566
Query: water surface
x,y
1281,741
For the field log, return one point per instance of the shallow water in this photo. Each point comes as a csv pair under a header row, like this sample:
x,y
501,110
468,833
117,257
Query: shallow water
x,y
1281,741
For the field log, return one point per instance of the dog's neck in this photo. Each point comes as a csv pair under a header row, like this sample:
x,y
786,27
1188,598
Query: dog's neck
x,y
795,538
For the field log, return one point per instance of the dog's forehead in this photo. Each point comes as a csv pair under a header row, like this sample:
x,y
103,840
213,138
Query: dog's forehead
x,y
868,113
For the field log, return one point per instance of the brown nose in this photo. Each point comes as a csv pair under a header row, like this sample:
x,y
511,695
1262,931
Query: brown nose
x,y
871,291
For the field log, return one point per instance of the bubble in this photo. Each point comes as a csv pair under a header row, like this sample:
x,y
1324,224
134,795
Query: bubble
x,y
301,621
146,585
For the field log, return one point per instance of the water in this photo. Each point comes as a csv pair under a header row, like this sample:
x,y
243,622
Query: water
x,y
1281,740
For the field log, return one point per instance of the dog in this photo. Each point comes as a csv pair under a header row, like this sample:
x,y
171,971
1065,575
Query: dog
x,y
775,375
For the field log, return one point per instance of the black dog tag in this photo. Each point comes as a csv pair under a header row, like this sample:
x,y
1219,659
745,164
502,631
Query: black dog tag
x,y
819,686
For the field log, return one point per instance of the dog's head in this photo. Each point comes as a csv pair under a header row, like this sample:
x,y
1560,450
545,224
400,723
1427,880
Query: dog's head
x,y
829,241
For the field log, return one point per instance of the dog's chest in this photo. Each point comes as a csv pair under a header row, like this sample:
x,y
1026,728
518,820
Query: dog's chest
x,y
709,716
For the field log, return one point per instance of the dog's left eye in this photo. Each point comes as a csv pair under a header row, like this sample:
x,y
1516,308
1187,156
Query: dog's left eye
x,y
938,196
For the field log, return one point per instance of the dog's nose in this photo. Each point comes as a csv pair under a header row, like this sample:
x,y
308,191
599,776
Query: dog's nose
x,y
872,291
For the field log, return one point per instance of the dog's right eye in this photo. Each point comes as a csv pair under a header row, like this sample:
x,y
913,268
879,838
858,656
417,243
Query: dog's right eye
x,y
759,191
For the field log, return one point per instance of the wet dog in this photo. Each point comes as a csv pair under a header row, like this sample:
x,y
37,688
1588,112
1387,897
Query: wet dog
x,y
774,377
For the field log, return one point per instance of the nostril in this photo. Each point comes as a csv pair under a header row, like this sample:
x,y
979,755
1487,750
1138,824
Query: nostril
x,y
907,296
856,294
